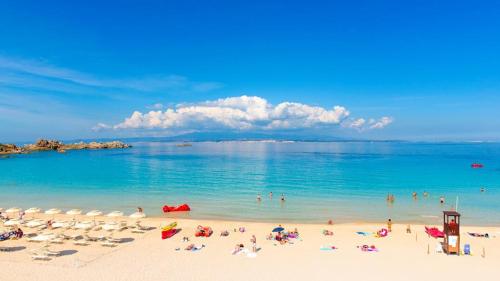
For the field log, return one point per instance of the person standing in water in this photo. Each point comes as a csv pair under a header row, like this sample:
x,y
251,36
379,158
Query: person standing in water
x,y
282,197
271,195
414,195
259,198
441,200
426,194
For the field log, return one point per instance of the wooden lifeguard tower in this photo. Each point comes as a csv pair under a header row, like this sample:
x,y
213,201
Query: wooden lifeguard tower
x,y
451,229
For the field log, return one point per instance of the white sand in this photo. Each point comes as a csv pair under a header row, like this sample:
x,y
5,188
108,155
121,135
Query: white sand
x,y
401,256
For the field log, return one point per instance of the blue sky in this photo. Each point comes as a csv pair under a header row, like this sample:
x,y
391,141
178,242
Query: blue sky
x,y
431,68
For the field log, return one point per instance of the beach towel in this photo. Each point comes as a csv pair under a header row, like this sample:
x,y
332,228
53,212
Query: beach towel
x,y
364,233
328,248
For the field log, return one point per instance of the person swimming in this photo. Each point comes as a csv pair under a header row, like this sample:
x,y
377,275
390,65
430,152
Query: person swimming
x,y
482,189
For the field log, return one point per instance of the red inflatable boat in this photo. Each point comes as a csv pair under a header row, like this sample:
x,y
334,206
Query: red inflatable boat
x,y
180,208
476,165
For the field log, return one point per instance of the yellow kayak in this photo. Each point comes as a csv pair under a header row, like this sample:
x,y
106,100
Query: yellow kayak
x,y
169,227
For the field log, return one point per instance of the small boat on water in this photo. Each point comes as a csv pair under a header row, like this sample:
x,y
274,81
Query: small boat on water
x,y
185,144
476,165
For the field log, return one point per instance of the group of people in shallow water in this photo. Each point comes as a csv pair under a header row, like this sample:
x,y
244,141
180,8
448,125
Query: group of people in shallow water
x,y
391,198
259,197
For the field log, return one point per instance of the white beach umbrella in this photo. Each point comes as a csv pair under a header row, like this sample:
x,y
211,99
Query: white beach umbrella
x,y
115,214
137,215
53,212
14,210
35,223
12,222
33,211
94,213
74,212
84,225
111,226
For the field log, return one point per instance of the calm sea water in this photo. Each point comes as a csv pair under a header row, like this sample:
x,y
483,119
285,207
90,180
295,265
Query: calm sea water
x,y
345,181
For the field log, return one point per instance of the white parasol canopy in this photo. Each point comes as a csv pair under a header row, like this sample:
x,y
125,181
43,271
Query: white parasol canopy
x,y
35,223
53,211
115,214
94,213
14,210
33,211
12,222
84,225
74,212
137,215
111,226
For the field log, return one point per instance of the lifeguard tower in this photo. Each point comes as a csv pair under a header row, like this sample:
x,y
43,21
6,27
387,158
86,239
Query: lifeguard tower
x,y
451,229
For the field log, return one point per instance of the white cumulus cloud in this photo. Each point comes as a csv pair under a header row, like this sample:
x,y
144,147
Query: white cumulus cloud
x,y
243,113
380,123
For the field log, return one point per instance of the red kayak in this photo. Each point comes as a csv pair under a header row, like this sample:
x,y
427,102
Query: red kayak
x,y
180,208
476,165
434,232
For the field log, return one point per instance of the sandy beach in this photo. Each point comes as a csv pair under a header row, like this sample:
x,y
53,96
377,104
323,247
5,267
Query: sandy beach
x,y
400,256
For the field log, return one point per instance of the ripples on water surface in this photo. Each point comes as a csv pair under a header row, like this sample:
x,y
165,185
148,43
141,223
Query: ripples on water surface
x,y
346,181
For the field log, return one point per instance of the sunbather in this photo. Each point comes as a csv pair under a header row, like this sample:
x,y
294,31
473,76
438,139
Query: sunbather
x,y
238,248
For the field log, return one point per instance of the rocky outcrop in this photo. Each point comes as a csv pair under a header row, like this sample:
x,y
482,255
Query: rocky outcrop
x,y
9,149
44,145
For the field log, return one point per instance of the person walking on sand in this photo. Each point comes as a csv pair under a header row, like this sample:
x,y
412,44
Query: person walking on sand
x,y
389,225
253,240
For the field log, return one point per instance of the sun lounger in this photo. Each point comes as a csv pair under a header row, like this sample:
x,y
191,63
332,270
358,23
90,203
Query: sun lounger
x,y
43,257
109,244
81,243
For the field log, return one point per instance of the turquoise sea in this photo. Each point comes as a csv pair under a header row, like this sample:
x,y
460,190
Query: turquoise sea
x,y
344,181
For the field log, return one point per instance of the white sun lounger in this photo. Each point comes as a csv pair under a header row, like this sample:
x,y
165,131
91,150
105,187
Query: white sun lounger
x,y
109,244
81,243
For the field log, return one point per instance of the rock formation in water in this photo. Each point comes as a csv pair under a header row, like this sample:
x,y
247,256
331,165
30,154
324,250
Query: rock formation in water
x,y
44,145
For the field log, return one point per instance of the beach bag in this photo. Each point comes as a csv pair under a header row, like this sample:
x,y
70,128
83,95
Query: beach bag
x,y
466,249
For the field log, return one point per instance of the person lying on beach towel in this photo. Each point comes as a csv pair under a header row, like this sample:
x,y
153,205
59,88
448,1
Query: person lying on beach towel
x,y
366,248
328,248
193,247
224,233
327,232
485,235
238,248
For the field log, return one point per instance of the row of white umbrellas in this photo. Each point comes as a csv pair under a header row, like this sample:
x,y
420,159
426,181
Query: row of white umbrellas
x,y
73,212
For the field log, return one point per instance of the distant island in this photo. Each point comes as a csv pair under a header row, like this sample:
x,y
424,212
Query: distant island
x,y
47,145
